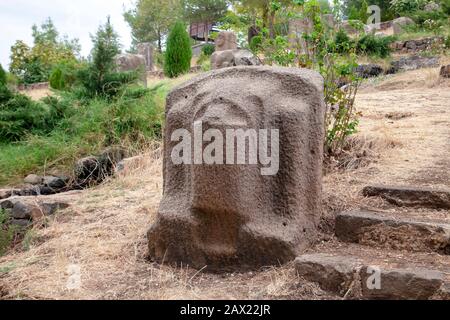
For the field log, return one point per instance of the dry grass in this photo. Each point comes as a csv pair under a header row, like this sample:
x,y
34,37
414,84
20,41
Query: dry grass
x,y
37,94
104,230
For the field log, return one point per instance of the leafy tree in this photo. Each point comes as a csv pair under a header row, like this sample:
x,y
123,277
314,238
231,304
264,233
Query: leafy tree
x,y
150,20
178,52
47,32
34,64
206,11
385,6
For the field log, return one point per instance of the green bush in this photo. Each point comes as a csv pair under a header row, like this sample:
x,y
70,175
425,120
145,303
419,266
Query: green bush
x,y
56,79
64,74
19,116
208,49
256,44
6,232
421,16
178,53
3,78
374,45
342,42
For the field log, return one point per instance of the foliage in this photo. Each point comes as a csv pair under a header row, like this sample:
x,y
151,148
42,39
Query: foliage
x,y
31,65
64,74
99,78
386,11
406,6
178,53
343,43
151,20
81,128
208,49
20,116
341,119
375,45
7,232
3,78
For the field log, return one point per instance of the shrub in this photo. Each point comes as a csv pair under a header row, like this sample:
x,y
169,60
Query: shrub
x,y
3,78
421,16
342,42
256,44
99,78
208,49
178,53
19,116
374,45
56,79
64,75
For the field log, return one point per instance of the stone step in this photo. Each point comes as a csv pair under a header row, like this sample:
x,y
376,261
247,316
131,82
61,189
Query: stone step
x,y
360,274
393,231
411,196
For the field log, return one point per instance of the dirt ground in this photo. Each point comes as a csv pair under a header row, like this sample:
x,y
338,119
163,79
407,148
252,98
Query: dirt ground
x,y
404,139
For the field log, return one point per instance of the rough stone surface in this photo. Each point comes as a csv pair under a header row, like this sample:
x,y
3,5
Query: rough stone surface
x,y
373,228
432,6
230,215
399,24
413,63
354,274
349,26
233,58
33,179
411,196
226,40
93,170
417,45
403,284
369,70
146,50
334,274
132,62
445,71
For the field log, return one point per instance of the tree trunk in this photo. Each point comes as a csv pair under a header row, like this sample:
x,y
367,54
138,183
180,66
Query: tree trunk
x,y
159,41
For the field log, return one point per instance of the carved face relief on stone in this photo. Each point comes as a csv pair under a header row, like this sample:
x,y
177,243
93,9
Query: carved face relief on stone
x,y
226,40
260,208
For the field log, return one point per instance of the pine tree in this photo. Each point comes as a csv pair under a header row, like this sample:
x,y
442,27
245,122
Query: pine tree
x,y
178,52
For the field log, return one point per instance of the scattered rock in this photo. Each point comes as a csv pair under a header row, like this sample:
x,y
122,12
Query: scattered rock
x,y
373,228
369,70
334,274
432,6
413,63
411,196
23,223
33,179
92,170
402,284
233,58
445,71
345,274
55,183
399,24
132,62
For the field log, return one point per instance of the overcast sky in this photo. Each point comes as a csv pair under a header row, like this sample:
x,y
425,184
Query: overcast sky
x,y
76,18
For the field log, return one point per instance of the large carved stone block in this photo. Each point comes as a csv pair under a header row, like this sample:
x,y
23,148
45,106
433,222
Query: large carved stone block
x,y
245,213
226,40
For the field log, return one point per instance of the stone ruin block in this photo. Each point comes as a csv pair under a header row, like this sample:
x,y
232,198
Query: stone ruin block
x,y
226,40
238,211
146,50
